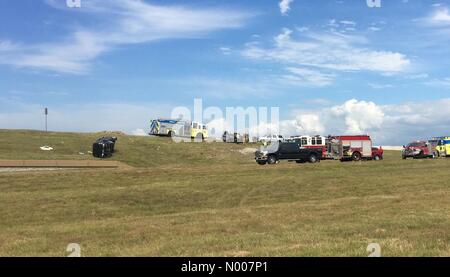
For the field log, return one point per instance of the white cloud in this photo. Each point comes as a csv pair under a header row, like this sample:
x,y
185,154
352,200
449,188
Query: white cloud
x,y
6,46
380,86
333,23
417,76
360,116
411,121
302,29
351,117
307,77
441,16
387,124
303,124
343,53
341,26
440,83
129,22
285,6
319,101
348,22
225,50
71,56
373,28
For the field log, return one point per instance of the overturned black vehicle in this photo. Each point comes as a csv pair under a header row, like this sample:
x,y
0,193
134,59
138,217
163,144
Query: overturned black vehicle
x,y
104,147
291,151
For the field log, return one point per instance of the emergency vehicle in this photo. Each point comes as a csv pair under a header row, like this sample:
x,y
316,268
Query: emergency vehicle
x,y
442,146
342,147
354,148
178,128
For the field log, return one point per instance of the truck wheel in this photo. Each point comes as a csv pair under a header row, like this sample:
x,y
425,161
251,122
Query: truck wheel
x,y
262,163
404,157
272,160
171,134
313,159
377,158
356,156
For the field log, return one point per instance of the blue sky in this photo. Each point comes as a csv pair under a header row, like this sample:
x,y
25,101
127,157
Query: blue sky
x,y
331,66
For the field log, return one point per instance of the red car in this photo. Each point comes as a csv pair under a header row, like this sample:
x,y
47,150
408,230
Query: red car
x,y
377,153
418,149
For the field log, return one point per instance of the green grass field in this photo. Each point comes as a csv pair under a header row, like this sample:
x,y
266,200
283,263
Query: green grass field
x,y
208,199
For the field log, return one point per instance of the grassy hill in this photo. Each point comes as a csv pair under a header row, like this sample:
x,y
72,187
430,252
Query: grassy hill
x,y
133,150
207,199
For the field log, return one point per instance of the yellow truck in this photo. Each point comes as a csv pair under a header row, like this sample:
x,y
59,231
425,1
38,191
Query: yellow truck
x,y
178,128
442,146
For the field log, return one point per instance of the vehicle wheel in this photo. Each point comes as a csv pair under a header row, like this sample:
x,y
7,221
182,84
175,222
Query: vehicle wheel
x,y
313,159
377,158
272,160
262,163
356,156
404,157
171,134
419,156
300,161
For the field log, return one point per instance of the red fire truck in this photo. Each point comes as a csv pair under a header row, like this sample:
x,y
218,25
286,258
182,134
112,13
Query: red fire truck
x,y
354,148
342,147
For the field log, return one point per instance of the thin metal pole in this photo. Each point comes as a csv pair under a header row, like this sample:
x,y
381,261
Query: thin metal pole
x,y
46,115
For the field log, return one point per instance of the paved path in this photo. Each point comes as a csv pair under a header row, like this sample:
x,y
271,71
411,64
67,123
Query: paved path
x,y
61,164
27,169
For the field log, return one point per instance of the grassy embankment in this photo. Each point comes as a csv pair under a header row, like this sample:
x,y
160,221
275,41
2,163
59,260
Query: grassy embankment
x,y
210,199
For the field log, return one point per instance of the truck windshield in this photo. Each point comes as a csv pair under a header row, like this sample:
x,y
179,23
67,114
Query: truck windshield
x,y
272,147
415,144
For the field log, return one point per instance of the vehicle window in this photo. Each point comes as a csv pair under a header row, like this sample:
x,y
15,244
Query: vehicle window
x,y
319,141
289,146
304,141
313,141
204,127
272,147
356,143
415,144
195,125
